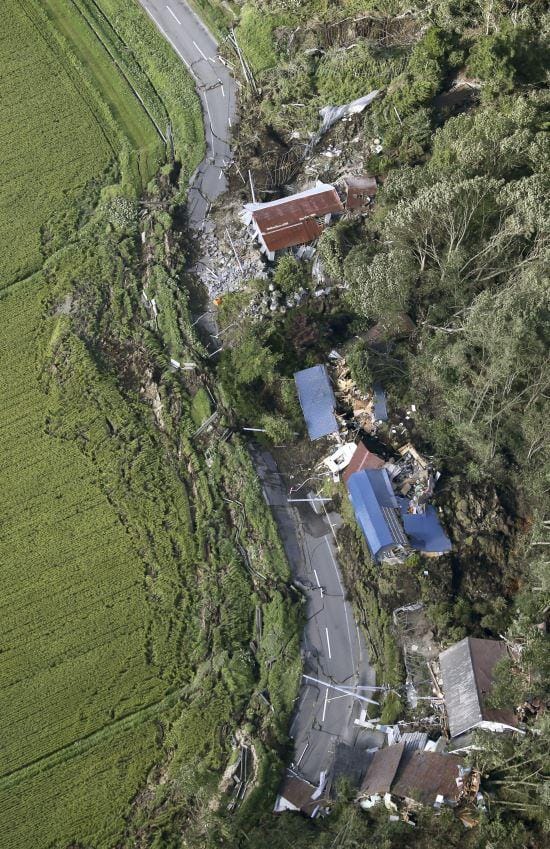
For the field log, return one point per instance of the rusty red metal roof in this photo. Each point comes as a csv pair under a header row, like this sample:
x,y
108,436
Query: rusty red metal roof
x,y
294,220
362,459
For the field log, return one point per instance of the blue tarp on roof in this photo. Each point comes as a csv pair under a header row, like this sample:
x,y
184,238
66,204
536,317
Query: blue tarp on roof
x,y
424,529
371,495
317,401
380,407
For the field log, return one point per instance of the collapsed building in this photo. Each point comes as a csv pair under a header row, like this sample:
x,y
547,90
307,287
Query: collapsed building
x,y
294,220
360,191
297,794
404,775
467,676
392,524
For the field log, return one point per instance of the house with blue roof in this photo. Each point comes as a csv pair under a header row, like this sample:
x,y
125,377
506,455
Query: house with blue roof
x,y
390,529
317,401
378,515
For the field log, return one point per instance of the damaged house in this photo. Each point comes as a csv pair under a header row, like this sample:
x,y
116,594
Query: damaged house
x,y
391,530
294,220
401,775
297,794
467,674
377,513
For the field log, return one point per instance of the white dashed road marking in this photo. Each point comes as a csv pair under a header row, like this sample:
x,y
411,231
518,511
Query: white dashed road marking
x,y
328,644
177,20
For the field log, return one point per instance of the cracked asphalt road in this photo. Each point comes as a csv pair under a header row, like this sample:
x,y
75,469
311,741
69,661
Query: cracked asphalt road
x,y
198,50
333,649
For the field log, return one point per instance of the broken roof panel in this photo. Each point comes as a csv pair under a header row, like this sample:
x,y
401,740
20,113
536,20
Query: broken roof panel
x,y
362,459
380,406
295,794
382,771
317,401
422,776
467,673
424,529
375,506
291,221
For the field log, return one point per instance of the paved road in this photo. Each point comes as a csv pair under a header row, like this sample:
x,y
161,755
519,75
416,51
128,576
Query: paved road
x,y
198,50
333,649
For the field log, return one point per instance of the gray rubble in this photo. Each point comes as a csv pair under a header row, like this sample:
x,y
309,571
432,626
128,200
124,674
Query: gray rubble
x,y
228,258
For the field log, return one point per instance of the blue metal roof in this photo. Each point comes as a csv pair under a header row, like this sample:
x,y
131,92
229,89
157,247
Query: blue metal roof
x,y
317,401
375,506
380,406
424,529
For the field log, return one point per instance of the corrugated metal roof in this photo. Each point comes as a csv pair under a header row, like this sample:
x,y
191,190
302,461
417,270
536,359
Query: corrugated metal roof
x,y
292,234
317,401
414,740
424,529
375,506
362,459
422,776
382,771
380,406
291,221
467,674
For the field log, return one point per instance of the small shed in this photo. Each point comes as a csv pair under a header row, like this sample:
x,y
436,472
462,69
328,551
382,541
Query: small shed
x,y
317,401
359,191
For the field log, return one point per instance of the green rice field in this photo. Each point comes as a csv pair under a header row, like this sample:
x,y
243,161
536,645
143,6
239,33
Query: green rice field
x,y
56,134
81,649
77,692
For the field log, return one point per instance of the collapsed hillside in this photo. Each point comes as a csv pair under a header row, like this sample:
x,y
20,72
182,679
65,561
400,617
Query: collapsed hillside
x,y
456,239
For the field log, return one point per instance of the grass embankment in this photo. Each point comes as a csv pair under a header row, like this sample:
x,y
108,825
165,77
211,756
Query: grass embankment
x,y
117,76
140,43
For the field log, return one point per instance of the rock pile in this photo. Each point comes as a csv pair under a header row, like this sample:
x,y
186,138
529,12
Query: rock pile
x,y
227,259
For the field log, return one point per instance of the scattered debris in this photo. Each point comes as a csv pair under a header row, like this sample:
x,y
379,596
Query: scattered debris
x,y
414,477
331,114
339,459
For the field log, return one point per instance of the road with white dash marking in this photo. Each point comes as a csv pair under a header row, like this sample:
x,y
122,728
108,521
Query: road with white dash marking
x,y
198,50
335,660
